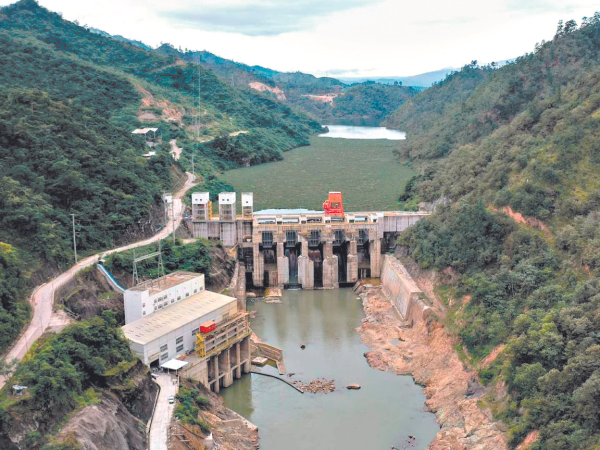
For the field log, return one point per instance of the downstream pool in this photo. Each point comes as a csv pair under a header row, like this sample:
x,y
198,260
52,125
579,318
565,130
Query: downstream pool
x,y
383,413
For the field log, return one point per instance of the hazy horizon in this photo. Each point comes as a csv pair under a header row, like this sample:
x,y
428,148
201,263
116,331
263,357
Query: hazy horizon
x,y
339,38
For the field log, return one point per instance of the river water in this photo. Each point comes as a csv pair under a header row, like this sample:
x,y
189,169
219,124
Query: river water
x,y
383,413
360,132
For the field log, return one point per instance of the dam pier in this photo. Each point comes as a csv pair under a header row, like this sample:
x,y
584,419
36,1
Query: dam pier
x,y
299,247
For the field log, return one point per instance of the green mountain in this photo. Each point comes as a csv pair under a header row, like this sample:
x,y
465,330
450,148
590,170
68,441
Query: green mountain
x,y
423,80
325,98
69,100
521,141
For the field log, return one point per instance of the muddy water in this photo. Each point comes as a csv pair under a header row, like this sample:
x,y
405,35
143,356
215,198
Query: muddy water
x,y
382,414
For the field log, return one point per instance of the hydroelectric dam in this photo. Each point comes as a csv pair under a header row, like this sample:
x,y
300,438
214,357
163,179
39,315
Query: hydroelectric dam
x,y
299,247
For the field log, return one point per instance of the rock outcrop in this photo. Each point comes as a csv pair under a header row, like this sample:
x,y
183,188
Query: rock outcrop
x,y
425,351
106,425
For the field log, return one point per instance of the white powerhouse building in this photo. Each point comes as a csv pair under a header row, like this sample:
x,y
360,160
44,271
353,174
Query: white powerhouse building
x,y
176,317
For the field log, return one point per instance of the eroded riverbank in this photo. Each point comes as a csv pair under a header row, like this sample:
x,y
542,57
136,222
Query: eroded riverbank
x,y
424,350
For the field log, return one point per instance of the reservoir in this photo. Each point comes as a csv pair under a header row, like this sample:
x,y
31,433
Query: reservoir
x,y
354,132
383,413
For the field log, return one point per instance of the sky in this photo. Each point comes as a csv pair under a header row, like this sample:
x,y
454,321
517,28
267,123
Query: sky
x,y
340,38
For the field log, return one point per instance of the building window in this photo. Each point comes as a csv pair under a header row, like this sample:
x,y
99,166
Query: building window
x,y
164,356
195,290
143,305
179,340
179,298
172,301
144,313
195,331
163,348
179,348
187,294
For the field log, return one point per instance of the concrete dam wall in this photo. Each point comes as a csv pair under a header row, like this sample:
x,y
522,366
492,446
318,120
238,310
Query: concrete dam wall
x,y
404,293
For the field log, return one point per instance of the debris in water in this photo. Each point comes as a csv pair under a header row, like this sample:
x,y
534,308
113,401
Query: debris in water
x,y
316,386
353,386
303,346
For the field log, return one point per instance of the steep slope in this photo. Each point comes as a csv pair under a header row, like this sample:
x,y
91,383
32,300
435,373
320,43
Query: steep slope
x,y
325,98
88,370
69,99
518,242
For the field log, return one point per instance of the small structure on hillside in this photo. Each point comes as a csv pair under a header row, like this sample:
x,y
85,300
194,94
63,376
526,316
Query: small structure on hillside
x,y
149,135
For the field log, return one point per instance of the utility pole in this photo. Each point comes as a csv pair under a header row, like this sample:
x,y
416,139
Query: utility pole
x,y
173,217
193,172
74,242
166,207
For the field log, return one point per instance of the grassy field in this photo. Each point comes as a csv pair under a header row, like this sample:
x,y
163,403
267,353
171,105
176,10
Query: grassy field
x,y
366,171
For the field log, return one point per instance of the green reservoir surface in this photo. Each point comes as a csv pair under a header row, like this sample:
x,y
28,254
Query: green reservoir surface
x,y
367,172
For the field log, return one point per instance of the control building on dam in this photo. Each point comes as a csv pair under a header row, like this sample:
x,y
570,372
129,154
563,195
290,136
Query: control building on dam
x,y
299,247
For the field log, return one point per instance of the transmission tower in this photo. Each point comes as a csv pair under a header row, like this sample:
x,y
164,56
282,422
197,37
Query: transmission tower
x,y
136,260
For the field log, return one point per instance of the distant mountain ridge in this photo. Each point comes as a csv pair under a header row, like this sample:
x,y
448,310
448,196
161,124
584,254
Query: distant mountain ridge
x,y
326,98
421,80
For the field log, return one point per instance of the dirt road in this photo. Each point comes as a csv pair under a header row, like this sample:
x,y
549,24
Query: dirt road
x,y
176,151
43,296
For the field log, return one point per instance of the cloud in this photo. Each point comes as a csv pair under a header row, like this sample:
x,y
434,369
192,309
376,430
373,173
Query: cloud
x,y
258,17
344,71
543,6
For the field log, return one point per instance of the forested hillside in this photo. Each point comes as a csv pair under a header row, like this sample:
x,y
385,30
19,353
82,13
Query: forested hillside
x,y
325,98
69,99
520,141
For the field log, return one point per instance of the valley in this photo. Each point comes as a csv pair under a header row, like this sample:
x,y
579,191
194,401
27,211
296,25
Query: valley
x,y
365,170
162,223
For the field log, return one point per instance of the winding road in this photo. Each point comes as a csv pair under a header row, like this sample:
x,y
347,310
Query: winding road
x,y
42,298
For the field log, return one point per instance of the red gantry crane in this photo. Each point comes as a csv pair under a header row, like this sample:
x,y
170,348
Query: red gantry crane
x,y
333,206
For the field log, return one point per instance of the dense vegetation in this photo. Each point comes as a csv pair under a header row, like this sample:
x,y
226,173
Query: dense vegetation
x,y
61,372
371,99
193,257
69,99
525,138
190,404
368,99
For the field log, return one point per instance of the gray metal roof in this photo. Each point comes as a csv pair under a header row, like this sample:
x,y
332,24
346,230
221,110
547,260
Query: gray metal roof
x,y
152,327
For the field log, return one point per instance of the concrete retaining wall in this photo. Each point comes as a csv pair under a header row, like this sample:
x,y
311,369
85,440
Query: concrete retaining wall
x,y
237,287
402,290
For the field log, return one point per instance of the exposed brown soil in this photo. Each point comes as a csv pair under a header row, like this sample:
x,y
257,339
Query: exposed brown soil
x,y
529,440
264,88
169,112
426,352
326,98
